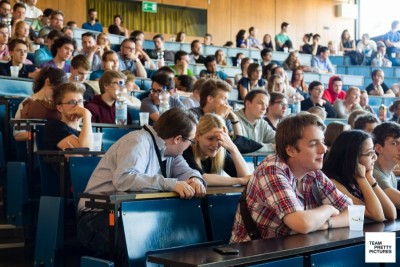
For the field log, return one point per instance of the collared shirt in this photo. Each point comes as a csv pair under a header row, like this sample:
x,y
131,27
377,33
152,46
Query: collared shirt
x,y
272,193
131,164
260,131
190,102
96,62
322,65
126,64
149,106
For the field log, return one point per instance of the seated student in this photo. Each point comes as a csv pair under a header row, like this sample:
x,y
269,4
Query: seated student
x,y
366,122
130,87
319,111
279,195
321,62
109,62
333,130
254,81
43,54
184,83
41,104
297,82
251,120
220,57
194,100
102,106
132,164
350,103
4,52
349,164
181,66
212,71
151,104
379,58
378,86
364,102
316,90
62,50
80,69
353,116
214,99
334,90
278,103
18,53
66,133
159,51
395,109
387,145
213,152
21,32
244,65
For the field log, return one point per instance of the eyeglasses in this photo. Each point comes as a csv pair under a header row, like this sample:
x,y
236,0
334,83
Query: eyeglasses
x,y
74,102
129,48
370,154
283,104
155,91
192,142
119,83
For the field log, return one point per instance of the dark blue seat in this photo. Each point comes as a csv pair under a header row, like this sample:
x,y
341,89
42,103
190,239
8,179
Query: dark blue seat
x,y
111,135
297,261
16,192
95,262
221,211
140,94
49,178
81,168
134,113
50,231
348,256
2,159
158,224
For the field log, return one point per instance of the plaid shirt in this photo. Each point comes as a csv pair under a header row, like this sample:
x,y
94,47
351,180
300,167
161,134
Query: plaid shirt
x,y
272,194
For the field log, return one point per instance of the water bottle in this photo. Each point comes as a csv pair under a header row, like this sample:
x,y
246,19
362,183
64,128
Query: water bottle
x,y
296,108
164,100
382,113
121,107
238,61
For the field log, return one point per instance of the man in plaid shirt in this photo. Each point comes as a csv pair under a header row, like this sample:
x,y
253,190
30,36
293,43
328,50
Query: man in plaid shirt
x,y
288,192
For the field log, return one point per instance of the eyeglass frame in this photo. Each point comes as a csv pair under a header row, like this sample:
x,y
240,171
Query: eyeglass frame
x,y
192,142
73,102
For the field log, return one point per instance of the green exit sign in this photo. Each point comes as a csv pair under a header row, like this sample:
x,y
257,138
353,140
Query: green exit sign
x,y
149,7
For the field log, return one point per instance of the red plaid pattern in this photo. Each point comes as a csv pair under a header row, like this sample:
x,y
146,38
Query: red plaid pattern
x,y
272,193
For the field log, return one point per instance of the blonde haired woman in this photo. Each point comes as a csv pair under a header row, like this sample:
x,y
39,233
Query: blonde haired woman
x,y
22,33
350,103
214,152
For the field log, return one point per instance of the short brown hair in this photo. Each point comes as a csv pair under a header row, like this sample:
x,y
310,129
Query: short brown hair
x,y
175,122
107,78
291,129
80,61
211,88
65,88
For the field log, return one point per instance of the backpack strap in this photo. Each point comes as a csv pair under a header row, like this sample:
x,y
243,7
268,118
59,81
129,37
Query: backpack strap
x,y
249,224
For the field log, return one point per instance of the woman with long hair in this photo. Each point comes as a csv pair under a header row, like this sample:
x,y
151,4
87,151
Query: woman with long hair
x,y
22,33
253,81
214,152
346,44
103,41
292,61
350,103
349,164
41,104
180,37
117,27
244,64
241,39
267,42
297,82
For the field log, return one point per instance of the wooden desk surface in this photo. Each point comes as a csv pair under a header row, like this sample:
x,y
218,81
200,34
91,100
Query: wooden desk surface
x,y
271,249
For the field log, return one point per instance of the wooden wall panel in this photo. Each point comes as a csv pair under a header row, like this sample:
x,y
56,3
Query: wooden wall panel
x,y
219,19
226,17
247,13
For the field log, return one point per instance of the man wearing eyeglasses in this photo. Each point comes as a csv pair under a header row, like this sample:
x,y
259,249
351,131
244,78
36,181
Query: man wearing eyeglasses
x,y
128,59
387,145
151,104
150,158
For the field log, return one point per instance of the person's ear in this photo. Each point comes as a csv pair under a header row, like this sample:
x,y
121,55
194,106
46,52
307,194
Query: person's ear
x,y
176,139
210,99
378,148
291,151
